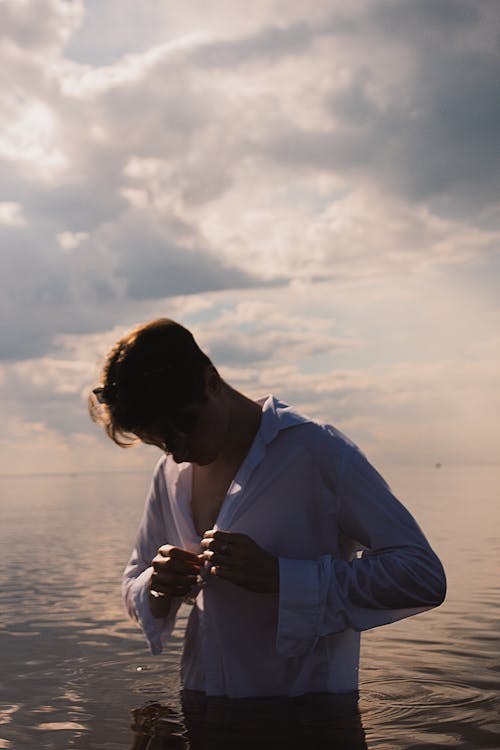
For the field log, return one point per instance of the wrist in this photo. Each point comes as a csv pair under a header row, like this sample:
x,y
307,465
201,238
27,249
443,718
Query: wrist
x,y
159,605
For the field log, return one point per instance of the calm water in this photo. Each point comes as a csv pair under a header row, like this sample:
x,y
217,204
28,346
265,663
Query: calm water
x,y
76,674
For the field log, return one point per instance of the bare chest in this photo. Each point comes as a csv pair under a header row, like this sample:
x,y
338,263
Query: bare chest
x,y
209,488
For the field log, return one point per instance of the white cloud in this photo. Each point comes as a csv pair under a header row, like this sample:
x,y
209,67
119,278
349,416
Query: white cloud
x,y
71,240
27,137
40,27
410,381
85,81
152,23
11,214
196,150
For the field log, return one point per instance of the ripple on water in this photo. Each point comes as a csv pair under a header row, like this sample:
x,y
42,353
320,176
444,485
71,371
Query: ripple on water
x,y
58,725
389,700
7,710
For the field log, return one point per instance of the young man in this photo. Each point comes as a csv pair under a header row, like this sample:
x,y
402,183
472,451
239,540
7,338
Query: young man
x,y
256,513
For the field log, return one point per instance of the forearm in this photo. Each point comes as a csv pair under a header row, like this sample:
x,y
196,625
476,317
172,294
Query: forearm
x,y
390,579
326,596
157,623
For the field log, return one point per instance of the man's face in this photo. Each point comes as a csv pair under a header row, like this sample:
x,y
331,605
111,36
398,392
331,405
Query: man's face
x,y
203,443
196,433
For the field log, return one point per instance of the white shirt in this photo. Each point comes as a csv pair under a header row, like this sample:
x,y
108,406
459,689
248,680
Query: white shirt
x,y
306,494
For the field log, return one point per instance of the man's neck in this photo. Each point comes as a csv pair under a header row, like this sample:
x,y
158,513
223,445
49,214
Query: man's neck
x,y
244,422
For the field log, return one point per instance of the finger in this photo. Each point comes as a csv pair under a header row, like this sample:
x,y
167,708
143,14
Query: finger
x,y
228,560
172,564
167,574
175,565
213,545
226,545
172,579
168,550
172,583
224,556
231,558
168,565
225,536
176,554
165,550
209,533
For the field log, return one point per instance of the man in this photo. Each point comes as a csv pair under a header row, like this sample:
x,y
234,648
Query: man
x,y
256,514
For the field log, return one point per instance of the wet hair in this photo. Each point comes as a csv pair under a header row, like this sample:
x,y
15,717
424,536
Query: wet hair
x,y
148,378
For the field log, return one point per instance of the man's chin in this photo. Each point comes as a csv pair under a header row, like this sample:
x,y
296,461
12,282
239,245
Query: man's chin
x,y
181,458
203,460
185,458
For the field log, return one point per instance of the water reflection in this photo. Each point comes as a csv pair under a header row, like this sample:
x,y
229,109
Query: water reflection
x,y
157,726
313,721
73,666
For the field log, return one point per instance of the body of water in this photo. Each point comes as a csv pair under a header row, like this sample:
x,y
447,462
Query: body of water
x,y
77,674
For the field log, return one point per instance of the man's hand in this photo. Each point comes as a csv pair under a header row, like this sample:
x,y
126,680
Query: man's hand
x,y
175,571
237,558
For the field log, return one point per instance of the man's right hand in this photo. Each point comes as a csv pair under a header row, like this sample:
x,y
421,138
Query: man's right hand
x,y
175,571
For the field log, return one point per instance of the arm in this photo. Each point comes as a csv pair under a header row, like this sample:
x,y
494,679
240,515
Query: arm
x,y
156,616
399,575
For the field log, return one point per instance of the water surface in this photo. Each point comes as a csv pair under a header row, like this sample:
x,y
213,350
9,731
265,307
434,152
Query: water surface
x,y
77,674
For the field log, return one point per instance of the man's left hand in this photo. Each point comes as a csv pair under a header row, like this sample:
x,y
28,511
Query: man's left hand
x,y
237,558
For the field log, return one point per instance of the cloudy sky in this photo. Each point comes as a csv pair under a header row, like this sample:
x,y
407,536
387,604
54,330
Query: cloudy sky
x,y
311,187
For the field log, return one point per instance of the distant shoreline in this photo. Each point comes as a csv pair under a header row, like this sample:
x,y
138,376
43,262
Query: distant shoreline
x,y
148,470
75,474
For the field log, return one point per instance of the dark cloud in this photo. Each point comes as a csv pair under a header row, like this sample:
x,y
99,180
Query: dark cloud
x,y
435,143
76,206
449,146
45,291
438,140
418,18
271,341
332,151
158,112
156,261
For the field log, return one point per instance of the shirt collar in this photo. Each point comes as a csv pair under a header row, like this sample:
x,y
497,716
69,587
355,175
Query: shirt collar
x,y
277,416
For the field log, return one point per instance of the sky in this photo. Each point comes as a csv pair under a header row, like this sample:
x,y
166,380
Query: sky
x,y
311,188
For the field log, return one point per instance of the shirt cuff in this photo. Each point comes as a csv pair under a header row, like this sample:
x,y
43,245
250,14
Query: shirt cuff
x,y
299,607
156,629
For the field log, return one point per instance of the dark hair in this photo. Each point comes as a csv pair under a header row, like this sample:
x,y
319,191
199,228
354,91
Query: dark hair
x,y
148,377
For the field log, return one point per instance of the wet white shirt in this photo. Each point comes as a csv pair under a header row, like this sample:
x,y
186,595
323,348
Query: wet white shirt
x,y
306,494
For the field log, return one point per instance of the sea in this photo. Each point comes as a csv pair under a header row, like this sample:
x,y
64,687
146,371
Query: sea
x,y
76,673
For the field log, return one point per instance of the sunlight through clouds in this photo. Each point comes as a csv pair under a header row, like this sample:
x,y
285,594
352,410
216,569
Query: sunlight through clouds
x,y
311,188
11,214
27,135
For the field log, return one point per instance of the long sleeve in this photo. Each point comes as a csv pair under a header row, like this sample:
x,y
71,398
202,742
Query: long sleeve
x,y
152,534
398,574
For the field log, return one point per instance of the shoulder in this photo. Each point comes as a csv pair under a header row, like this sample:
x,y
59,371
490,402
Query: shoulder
x,y
161,466
328,446
280,419
159,478
320,436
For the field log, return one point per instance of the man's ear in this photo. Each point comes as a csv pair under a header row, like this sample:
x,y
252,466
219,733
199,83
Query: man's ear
x,y
213,381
